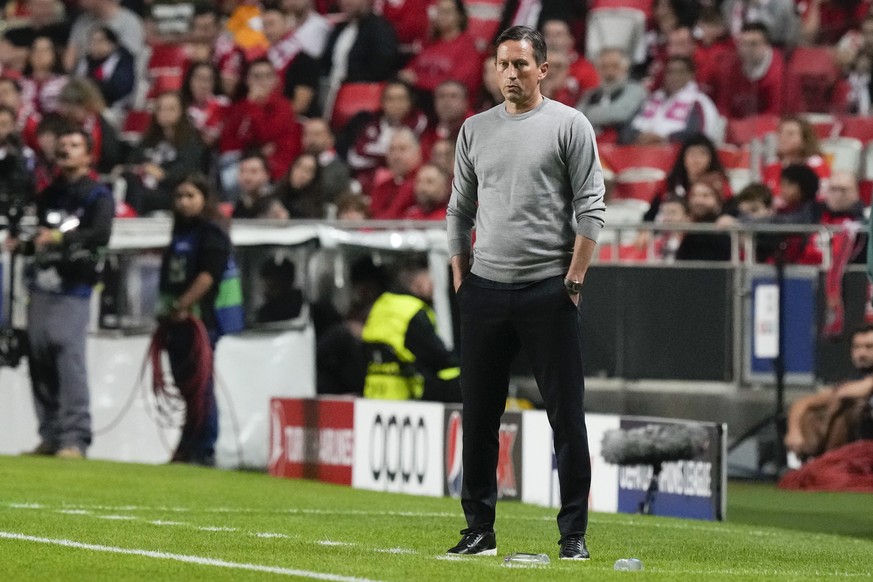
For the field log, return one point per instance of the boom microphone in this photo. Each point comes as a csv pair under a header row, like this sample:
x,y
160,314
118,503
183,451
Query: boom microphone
x,y
654,444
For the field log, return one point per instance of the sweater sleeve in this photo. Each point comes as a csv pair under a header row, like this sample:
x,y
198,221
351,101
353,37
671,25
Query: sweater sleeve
x,y
461,212
586,178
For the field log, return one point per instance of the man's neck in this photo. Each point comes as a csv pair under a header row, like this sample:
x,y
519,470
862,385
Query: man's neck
x,y
519,108
74,174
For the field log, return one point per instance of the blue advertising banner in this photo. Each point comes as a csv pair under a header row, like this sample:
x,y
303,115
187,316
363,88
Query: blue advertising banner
x,y
693,488
799,312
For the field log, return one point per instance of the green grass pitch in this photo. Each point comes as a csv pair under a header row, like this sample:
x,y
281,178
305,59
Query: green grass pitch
x,y
91,520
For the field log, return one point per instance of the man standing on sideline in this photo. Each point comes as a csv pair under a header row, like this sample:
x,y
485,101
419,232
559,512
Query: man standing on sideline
x,y
528,177
75,221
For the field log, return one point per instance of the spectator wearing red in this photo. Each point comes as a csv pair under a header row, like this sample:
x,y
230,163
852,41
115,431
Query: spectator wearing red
x,y
450,53
680,43
207,41
409,20
667,16
43,76
751,83
392,192
451,108
676,111
581,75
298,72
369,134
716,47
796,143
824,22
798,187
362,48
263,120
205,106
432,190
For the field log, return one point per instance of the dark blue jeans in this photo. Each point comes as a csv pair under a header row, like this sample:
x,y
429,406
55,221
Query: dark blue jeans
x,y
496,322
197,444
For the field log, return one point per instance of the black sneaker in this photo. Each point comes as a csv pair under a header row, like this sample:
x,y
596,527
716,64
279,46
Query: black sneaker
x,y
476,543
573,547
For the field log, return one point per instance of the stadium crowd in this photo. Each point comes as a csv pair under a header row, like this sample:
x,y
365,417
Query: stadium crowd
x,y
350,108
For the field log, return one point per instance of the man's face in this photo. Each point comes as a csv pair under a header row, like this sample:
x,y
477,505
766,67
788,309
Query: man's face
x,y
676,76
261,79
752,48
396,102
431,187
316,136
680,43
841,194
72,152
754,209
275,25
9,96
612,67
354,8
204,29
403,155
253,176
450,102
703,202
672,213
518,71
862,351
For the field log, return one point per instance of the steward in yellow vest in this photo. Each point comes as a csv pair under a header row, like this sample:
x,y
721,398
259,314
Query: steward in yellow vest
x,y
406,358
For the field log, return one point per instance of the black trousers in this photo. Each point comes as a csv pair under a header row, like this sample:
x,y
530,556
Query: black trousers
x,y
496,322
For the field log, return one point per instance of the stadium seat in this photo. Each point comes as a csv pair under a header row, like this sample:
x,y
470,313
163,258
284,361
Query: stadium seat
x,y
825,125
619,158
859,127
742,131
136,122
738,178
624,28
811,76
639,183
351,99
844,154
644,6
732,156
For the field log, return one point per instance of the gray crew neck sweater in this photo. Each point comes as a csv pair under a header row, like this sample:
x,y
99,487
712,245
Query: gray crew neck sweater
x,y
529,183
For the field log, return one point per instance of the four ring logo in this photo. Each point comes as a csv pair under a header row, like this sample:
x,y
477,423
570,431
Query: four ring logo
x,y
398,448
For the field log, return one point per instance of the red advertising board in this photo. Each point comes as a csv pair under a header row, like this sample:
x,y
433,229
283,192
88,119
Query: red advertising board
x,y
312,439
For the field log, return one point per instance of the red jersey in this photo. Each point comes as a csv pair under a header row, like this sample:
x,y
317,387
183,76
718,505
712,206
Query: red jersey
x,y
391,197
738,96
455,60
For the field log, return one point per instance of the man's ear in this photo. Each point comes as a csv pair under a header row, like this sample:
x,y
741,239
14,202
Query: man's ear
x,y
544,70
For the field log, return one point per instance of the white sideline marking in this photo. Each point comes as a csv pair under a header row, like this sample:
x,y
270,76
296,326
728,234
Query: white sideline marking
x,y
395,551
74,511
182,558
267,534
333,543
163,522
116,517
217,528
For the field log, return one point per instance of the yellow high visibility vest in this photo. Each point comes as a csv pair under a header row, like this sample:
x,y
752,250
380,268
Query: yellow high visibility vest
x,y
393,378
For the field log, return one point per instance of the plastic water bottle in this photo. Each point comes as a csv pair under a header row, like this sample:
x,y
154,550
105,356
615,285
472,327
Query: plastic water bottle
x,y
628,564
523,560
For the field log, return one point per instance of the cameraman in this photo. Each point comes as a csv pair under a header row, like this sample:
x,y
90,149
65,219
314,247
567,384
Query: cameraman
x,y
75,221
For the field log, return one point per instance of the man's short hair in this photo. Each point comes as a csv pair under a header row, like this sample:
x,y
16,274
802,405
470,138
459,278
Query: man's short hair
x,y
72,130
755,192
756,26
804,177
255,155
862,330
454,82
534,37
